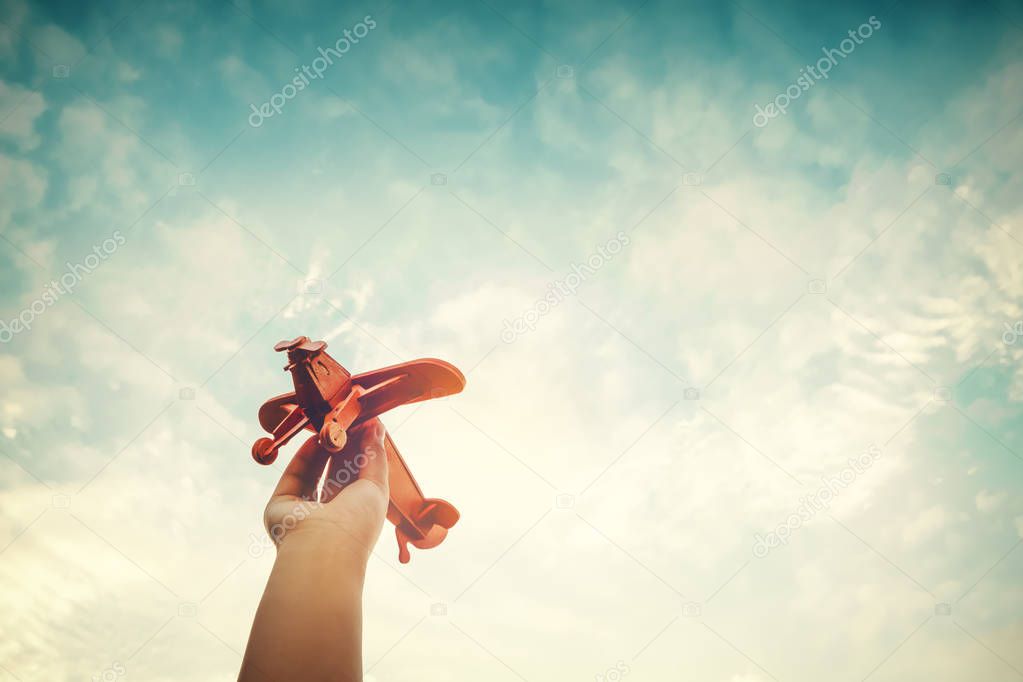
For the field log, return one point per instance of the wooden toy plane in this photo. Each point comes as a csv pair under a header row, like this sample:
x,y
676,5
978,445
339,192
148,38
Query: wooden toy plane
x,y
331,401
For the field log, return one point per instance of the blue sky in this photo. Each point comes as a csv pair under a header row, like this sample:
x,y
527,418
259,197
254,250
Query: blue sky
x,y
845,279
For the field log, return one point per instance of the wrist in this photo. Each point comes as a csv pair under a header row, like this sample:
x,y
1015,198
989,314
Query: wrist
x,y
326,544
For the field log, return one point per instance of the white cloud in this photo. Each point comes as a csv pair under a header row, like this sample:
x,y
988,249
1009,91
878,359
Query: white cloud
x,y
24,185
20,108
127,73
988,501
60,46
929,522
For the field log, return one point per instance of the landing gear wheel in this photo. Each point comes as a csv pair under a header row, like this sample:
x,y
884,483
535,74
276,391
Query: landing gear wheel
x,y
333,437
263,451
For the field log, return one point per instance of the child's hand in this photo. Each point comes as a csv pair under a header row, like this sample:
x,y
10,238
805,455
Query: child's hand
x,y
353,500
310,617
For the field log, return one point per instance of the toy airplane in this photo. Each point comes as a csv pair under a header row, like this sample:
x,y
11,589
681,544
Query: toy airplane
x,y
329,400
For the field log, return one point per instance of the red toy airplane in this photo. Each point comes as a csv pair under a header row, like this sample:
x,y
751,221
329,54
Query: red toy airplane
x,y
329,400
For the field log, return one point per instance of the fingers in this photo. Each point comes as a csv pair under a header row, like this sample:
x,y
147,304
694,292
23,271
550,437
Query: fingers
x,y
363,457
302,474
341,472
375,467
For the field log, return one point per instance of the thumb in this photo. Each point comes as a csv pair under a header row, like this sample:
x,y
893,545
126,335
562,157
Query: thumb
x,y
303,472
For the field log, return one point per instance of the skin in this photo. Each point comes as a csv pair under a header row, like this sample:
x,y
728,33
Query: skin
x,y
310,616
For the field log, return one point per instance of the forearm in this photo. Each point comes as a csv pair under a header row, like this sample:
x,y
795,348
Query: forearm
x,y
310,617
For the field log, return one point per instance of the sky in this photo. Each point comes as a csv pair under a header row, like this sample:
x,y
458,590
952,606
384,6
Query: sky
x,y
737,289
